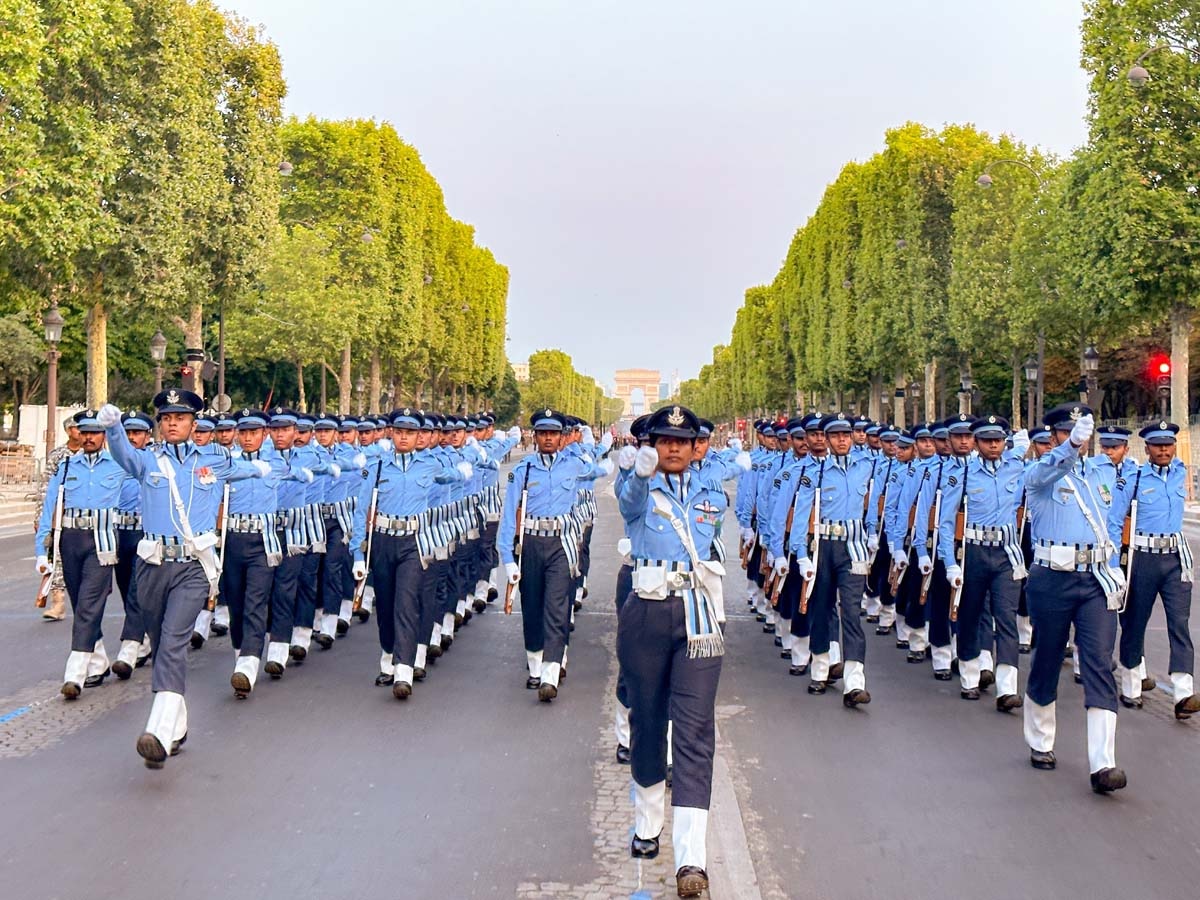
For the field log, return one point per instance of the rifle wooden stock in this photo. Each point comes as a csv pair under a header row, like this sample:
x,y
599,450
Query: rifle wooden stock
x,y
935,515
43,591
960,553
814,537
361,587
508,590
222,523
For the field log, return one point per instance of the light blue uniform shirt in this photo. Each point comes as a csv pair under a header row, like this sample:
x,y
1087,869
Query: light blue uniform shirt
x,y
994,492
693,500
93,481
1051,487
1161,494
553,482
843,484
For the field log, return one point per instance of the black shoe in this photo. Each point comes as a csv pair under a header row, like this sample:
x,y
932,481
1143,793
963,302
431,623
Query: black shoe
x,y
1148,684
467,615
986,679
151,751
901,645
835,672
383,679
447,640
881,630
532,684
585,592
547,692
401,690
96,680
761,617
297,653
274,669
122,669
571,628
220,630
624,757
492,594
1042,759
434,651
969,693
1108,780
942,674
691,881
798,670
856,697
785,654
643,848
916,656
1009,702
70,690
769,628
577,605
197,640
364,615
418,674
175,745
240,682
1185,707
478,605
458,620
343,627
324,641
141,661
1079,679
873,618
1023,649
1131,702
778,641
861,612
817,687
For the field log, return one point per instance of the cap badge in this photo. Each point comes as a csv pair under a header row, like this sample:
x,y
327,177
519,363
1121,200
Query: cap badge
x,y
991,420
841,417
172,396
1162,425
245,412
675,417
407,411
1076,412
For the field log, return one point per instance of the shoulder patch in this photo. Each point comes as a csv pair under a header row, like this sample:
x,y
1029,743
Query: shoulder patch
x,y
787,475
365,473
806,481
952,481
510,477
778,483
1120,484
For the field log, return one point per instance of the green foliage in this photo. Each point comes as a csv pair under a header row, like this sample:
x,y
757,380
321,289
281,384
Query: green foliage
x,y
554,384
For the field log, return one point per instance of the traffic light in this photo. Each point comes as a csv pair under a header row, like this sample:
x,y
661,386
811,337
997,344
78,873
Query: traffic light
x,y
1160,372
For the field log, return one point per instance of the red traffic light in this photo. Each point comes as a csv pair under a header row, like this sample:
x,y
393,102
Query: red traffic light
x,y
1164,368
1159,366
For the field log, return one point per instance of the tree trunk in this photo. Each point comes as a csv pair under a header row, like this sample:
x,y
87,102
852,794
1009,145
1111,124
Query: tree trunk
x,y
1016,392
964,397
97,355
344,382
1181,329
193,338
376,383
900,402
931,390
324,396
875,404
303,405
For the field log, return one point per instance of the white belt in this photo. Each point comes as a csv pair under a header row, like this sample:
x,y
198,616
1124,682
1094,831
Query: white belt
x,y
1068,557
395,525
1161,543
835,530
246,524
984,535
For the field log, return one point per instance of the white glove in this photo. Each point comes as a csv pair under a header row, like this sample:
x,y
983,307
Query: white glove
x,y
626,457
606,466
263,468
358,570
606,441
806,568
305,474
747,535
335,470
925,564
466,469
1082,432
770,560
483,454
360,460
899,562
954,576
42,566
780,566
586,434
735,444
108,415
645,462
472,442
1020,441
743,461
513,572
514,433
872,543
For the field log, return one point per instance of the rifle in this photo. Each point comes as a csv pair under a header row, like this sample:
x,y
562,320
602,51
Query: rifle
x,y
223,524
776,584
814,535
867,499
960,546
44,587
361,587
1128,530
935,518
520,543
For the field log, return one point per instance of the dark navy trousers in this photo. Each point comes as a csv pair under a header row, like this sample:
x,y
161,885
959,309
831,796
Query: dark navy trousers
x,y
1157,575
398,577
126,568
988,586
171,595
246,582
88,585
837,592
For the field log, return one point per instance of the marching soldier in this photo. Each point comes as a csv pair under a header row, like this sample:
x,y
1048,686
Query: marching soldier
x,y
335,581
991,566
913,449
135,650
181,490
880,602
1072,583
669,642
840,540
56,608
86,543
1161,565
309,455
549,558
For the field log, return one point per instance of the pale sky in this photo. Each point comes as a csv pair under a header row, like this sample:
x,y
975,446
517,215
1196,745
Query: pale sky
x,y
638,165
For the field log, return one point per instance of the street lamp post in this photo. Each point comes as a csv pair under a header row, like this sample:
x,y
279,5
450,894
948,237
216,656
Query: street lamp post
x,y
52,321
360,387
1094,397
158,354
1031,377
965,391
914,391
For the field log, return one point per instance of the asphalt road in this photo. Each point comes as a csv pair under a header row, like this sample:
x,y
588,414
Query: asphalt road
x,y
322,784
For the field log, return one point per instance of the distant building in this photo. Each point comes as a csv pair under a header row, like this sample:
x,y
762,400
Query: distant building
x,y
638,389
521,370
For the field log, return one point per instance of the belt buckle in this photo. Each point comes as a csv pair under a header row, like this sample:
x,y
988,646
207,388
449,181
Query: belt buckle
x,y
679,580
1082,557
